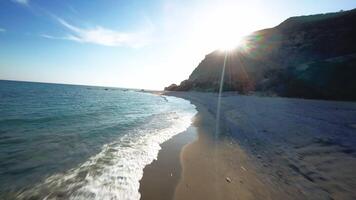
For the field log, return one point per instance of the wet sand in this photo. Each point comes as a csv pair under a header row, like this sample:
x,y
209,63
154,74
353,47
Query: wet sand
x,y
196,165
162,175
267,148
217,168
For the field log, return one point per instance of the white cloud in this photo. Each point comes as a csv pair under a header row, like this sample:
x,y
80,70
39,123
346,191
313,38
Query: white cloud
x,y
102,36
23,2
51,37
2,30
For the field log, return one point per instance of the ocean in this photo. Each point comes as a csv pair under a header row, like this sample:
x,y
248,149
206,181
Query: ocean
x,y
81,142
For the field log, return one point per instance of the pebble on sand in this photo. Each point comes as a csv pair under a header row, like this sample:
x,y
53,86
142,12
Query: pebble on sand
x,y
228,179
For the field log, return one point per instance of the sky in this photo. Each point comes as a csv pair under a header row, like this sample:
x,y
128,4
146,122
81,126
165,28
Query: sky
x,y
145,44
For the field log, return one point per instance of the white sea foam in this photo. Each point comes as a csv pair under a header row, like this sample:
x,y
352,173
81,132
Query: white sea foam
x,y
115,172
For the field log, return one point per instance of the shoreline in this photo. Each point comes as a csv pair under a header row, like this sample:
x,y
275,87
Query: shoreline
x,y
163,174
268,148
189,156
215,167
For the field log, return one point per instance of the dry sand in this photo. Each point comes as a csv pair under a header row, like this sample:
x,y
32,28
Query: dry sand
x,y
219,169
268,148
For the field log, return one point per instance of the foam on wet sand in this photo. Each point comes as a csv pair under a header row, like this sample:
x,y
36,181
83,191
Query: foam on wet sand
x,y
269,148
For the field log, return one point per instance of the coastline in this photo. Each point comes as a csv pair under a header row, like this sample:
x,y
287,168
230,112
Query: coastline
x,y
195,165
269,148
163,174
218,168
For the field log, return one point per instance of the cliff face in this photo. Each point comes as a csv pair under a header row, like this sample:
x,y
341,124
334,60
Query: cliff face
x,y
309,56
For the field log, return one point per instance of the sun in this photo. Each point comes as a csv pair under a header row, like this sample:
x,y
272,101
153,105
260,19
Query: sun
x,y
223,28
226,29
227,46
230,44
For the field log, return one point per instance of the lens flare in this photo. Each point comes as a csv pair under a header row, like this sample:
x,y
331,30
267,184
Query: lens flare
x,y
230,44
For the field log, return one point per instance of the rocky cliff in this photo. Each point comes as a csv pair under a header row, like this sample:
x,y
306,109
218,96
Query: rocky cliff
x,y
309,56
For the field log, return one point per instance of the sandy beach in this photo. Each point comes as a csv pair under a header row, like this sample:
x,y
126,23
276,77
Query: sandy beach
x,y
163,174
267,148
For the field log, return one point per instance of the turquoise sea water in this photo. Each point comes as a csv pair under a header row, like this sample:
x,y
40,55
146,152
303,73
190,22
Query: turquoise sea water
x,y
81,142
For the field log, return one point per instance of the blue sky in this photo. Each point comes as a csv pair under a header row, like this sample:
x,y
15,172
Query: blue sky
x,y
134,44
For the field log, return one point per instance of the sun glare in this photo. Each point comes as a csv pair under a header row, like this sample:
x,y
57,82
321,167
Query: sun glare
x,y
223,28
230,44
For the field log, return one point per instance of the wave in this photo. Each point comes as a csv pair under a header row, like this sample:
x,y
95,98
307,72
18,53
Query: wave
x,y
115,172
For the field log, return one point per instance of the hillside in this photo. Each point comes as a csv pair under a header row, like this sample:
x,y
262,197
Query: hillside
x,y
308,56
